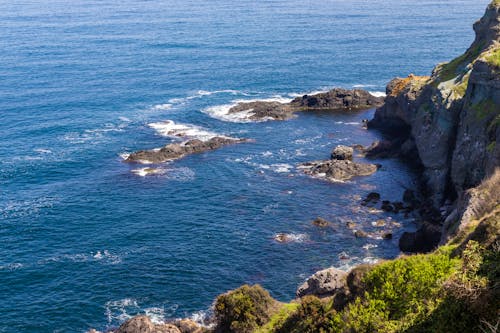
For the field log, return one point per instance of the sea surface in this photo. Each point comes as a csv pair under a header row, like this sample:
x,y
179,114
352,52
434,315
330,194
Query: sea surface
x,y
87,240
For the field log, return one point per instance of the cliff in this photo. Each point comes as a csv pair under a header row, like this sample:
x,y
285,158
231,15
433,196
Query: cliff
x,y
452,118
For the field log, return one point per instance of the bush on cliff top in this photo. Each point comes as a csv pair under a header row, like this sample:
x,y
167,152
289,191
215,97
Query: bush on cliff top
x,y
243,310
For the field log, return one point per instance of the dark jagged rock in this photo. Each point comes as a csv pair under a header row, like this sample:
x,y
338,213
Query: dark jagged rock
x,y
337,99
323,283
371,198
178,150
261,110
338,170
360,234
342,153
425,239
334,100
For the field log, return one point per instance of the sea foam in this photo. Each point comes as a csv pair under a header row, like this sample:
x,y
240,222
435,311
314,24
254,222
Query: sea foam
x,y
172,129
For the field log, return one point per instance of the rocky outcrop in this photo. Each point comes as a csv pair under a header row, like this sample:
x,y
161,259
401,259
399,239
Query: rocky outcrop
x,y
334,100
337,99
342,153
175,151
143,324
340,167
323,283
452,120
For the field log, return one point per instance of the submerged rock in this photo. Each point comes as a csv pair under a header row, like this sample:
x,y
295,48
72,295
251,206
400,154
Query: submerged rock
x,y
320,222
323,283
334,100
175,151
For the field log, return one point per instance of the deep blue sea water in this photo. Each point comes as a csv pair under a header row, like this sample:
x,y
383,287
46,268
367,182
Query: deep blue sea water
x,y
86,241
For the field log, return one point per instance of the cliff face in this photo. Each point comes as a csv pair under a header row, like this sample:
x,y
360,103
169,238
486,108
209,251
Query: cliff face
x,y
452,117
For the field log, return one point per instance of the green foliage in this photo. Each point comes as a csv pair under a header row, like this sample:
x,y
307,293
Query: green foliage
x,y
279,318
405,284
243,310
457,66
484,108
312,316
494,58
491,147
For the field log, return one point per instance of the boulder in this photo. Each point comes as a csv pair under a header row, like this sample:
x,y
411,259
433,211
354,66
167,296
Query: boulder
x,y
425,239
371,198
188,326
360,234
324,283
143,324
342,153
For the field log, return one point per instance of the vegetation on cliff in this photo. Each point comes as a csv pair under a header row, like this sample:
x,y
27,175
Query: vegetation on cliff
x,y
454,289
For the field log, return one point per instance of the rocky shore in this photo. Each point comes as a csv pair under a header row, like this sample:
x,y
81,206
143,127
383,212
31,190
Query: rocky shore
x,y
449,124
337,99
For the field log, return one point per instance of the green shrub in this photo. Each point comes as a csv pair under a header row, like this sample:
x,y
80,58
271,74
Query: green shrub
x,y
243,310
408,285
312,316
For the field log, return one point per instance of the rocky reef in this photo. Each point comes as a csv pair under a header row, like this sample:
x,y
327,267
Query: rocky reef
x,y
175,151
337,99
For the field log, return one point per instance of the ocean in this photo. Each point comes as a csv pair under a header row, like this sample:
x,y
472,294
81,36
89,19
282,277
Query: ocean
x,y
87,240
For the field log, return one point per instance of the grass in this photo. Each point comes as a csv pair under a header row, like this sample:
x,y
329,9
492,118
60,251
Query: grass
x,y
279,317
457,66
493,58
484,108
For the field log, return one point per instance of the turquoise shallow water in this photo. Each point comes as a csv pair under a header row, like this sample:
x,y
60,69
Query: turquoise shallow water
x,y
86,242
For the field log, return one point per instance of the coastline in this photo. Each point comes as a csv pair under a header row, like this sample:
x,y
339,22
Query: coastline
x,y
451,210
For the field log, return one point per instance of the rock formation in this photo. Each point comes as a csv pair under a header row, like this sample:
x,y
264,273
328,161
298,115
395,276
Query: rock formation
x,y
452,120
175,151
334,100
323,283
340,167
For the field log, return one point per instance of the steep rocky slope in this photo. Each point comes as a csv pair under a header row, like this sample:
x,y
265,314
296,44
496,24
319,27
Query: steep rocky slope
x,y
452,118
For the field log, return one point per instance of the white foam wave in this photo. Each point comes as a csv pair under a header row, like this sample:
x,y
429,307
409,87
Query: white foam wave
x,y
43,151
364,86
221,112
172,129
203,93
156,314
310,93
348,123
11,267
143,172
378,93
125,119
118,310
290,238
202,318
162,107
